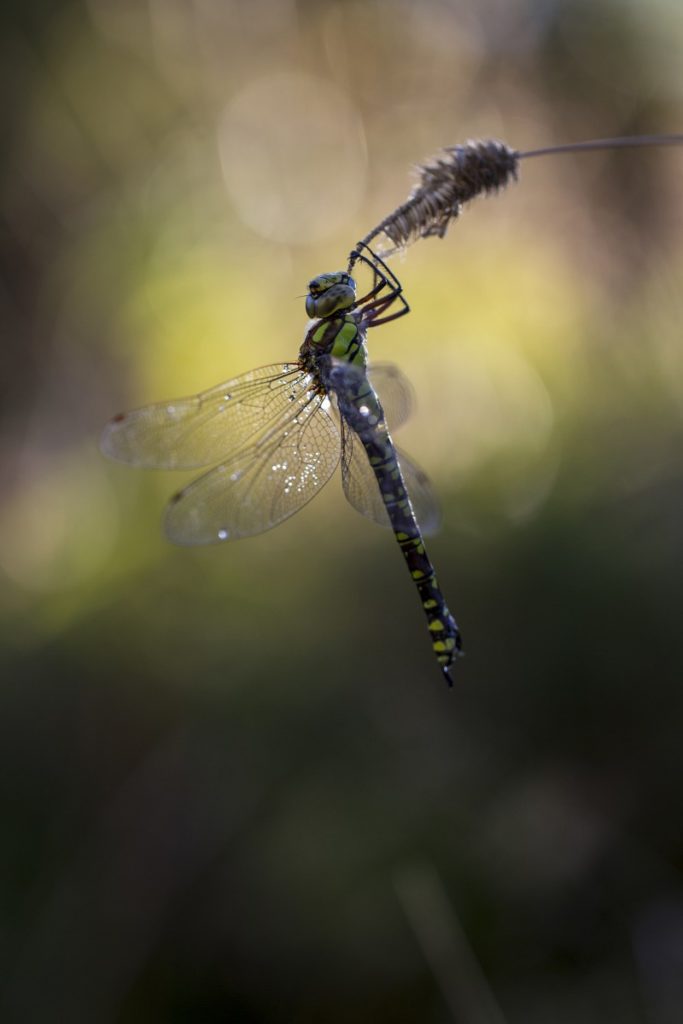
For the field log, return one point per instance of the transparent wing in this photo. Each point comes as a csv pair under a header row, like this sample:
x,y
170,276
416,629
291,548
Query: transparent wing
x,y
362,490
184,433
262,484
395,393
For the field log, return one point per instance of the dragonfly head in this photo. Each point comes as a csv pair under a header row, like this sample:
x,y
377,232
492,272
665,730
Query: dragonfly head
x,y
330,293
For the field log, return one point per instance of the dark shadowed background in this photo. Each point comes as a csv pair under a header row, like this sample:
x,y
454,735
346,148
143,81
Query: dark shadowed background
x,y
234,787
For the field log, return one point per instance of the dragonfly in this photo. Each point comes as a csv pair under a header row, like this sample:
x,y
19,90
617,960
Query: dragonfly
x,y
275,435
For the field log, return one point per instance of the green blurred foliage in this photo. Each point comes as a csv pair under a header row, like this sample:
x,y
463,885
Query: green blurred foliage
x,y
233,784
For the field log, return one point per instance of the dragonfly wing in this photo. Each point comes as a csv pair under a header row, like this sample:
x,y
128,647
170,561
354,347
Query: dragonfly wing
x,y
185,433
362,490
260,485
395,392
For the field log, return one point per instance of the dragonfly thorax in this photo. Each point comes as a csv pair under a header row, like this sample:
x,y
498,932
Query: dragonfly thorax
x,y
330,293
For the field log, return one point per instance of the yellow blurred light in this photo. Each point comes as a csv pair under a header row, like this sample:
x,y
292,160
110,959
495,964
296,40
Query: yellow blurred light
x,y
59,525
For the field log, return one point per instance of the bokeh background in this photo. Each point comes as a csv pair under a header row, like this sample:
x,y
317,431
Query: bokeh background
x,y
234,787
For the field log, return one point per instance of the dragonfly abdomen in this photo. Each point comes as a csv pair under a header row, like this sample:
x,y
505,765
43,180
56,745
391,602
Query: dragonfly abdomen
x,y
363,413
443,629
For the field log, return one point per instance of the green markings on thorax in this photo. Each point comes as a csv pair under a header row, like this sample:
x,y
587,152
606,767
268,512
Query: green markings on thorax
x,y
341,338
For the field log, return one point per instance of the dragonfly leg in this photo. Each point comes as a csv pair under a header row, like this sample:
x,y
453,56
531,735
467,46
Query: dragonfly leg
x,y
379,280
377,287
377,265
383,277
372,312
377,262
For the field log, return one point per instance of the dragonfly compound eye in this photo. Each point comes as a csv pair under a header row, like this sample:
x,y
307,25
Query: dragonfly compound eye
x,y
330,293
